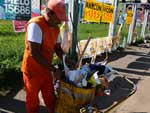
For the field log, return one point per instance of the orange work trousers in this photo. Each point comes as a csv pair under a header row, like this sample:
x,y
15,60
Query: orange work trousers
x,y
34,84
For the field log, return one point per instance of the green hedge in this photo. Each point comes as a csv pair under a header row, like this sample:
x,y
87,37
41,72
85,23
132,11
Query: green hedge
x,y
11,47
11,52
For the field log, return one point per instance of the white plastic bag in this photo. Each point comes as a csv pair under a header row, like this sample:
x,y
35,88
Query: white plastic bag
x,y
78,77
64,37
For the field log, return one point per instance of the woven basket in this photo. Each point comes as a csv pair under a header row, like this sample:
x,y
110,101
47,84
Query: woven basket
x,y
71,99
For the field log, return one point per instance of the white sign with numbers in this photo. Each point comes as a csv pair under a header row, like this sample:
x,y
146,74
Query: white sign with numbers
x,y
15,9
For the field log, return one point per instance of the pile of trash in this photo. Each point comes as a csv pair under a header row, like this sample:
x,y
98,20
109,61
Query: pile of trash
x,y
96,75
79,86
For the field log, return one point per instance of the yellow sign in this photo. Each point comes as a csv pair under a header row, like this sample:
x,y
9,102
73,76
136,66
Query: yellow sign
x,y
129,17
108,13
92,12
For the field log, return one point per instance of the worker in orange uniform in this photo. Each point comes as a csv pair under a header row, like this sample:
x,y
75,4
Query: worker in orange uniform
x,y
40,44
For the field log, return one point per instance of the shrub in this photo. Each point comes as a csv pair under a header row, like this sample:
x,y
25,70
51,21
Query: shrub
x,y
11,53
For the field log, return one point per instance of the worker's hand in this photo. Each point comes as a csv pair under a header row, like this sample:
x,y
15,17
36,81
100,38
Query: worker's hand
x,y
52,68
58,74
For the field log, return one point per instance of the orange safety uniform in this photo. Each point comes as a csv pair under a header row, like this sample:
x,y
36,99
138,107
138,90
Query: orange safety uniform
x,y
36,77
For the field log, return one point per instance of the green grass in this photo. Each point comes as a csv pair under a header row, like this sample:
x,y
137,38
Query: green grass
x,y
95,30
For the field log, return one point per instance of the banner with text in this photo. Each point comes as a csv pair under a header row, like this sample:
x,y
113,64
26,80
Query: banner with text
x,y
95,46
92,11
15,9
108,13
98,12
19,24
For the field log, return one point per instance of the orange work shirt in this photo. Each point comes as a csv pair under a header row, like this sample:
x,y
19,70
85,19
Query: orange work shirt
x,y
49,36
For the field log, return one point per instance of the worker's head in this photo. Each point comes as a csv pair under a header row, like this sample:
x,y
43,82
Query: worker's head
x,y
56,11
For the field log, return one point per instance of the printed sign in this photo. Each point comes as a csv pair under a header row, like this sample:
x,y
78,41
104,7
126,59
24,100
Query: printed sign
x,y
129,17
108,13
96,46
15,9
92,12
97,11
19,26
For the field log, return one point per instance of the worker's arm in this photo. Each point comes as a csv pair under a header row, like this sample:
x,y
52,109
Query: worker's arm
x,y
58,50
35,52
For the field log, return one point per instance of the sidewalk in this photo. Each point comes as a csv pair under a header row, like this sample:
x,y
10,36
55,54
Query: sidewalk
x,y
136,66
134,62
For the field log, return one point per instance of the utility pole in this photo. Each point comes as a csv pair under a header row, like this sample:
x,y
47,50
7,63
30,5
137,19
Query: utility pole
x,y
76,7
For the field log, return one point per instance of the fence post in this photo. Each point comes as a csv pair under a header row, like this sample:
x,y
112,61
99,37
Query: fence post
x,y
129,40
144,25
112,26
